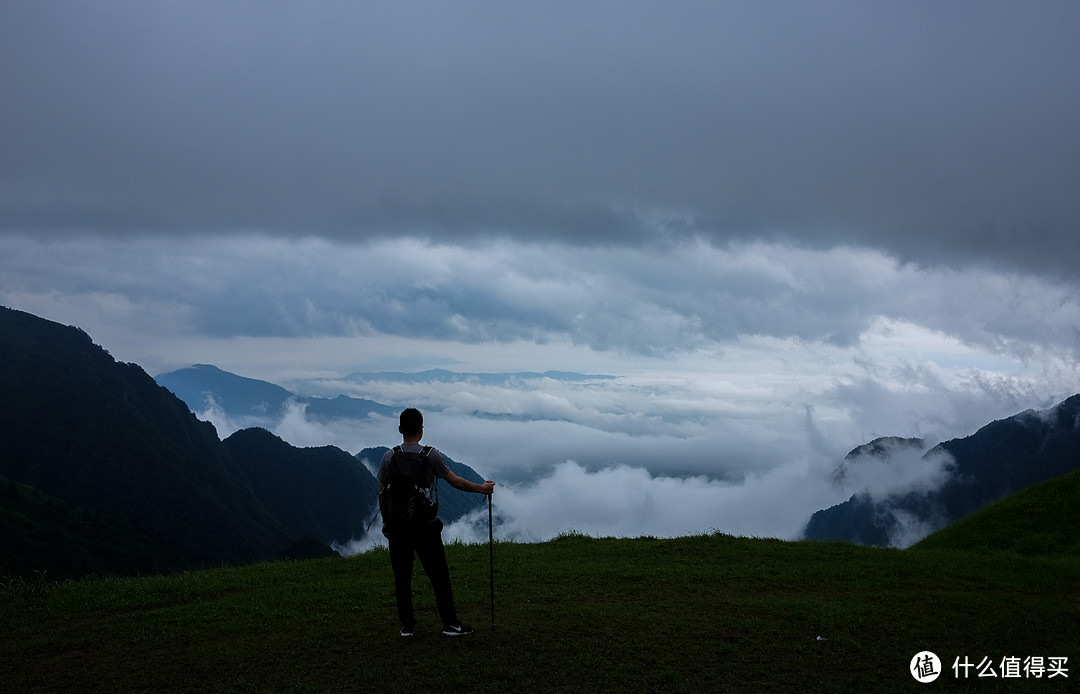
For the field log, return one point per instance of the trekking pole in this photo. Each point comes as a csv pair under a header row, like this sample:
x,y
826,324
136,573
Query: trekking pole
x,y
491,561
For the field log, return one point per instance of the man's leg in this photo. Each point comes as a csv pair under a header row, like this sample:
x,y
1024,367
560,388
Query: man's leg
x,y
429,547
401,559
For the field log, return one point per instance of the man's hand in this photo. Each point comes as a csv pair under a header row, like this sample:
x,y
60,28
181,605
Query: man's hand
x,y
487,487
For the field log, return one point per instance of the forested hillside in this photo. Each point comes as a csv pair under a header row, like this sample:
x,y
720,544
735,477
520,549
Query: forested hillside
x,y
105,471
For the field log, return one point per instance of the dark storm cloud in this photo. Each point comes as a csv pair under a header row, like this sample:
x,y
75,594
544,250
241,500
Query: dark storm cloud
x,y
937,131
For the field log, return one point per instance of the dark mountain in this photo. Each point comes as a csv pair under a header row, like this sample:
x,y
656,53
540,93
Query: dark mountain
x,y
242,397
1001,458
105,471
104,437
453,503
321,493
248,397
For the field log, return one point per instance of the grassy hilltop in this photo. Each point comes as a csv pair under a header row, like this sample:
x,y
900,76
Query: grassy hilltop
x,y
576,614
1043,519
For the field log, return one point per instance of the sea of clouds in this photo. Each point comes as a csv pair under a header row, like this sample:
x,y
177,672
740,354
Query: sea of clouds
x,y
578,457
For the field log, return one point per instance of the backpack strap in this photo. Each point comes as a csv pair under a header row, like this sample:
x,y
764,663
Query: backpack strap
x,y
394,453
378,505
424,453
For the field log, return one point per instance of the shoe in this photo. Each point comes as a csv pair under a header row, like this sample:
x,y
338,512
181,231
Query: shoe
x,y
407,631
457,630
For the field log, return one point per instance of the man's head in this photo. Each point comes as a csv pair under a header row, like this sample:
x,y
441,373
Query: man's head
x,y
411,423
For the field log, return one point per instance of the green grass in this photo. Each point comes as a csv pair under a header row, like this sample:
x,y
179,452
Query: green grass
x,y
1043,519
696,614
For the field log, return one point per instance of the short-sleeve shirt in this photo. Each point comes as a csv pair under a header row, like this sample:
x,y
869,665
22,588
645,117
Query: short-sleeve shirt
x,y
436,459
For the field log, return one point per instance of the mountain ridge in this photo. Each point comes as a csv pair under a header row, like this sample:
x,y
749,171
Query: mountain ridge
x,y
318,492
103,435
203,385
1000,459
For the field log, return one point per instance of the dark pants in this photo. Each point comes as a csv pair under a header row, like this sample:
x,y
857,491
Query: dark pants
x,y
427,544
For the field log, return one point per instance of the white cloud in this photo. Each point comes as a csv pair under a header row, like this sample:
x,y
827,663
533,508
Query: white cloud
x,y
216,415
909,529
895,469
624,501
746,479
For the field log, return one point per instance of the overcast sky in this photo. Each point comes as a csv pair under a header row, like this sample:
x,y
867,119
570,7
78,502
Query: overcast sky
x,y
785,228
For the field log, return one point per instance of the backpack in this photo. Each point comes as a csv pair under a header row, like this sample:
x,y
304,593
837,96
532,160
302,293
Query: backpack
x,y
410,489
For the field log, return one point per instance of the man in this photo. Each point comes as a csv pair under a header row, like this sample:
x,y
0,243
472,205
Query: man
x,y
408,499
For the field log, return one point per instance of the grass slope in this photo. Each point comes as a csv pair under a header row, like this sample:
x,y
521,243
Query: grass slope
x,y
706,613
1042,519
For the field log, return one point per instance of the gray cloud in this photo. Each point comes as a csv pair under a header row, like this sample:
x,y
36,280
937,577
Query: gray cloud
x,y
688,296
942,133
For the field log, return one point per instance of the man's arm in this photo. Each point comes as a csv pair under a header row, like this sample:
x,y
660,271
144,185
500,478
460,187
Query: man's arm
x,y
458,482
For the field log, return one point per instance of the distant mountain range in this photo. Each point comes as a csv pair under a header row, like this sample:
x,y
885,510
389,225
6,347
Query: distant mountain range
x,y
999,459
103,470
241,398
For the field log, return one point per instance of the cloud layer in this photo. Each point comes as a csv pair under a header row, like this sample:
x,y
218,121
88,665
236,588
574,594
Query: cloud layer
x,y
936,132
681,298
736,467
